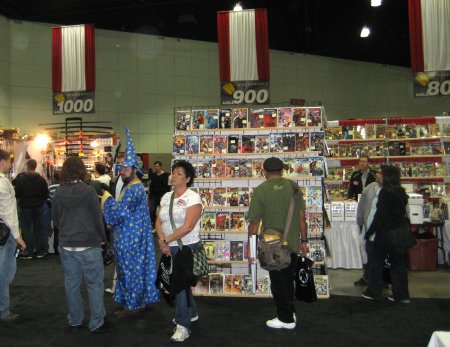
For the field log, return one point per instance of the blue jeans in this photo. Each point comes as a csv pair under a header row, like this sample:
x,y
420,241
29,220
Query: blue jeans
x,y
34,231
87,264
7,272
184,313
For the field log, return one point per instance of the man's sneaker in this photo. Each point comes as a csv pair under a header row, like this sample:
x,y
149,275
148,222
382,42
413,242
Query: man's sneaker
x,y
10,317
181,334
193,319
25,255
40,255
361,282
404,301
367,296
277,324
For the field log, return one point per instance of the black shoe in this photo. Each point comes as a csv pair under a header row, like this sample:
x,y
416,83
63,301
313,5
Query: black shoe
x,y
40,255
25,255
361,282
74,327
104,328
367,296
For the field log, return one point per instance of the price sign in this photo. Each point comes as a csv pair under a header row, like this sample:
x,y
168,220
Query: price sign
x,y
74,102
245,92
435,83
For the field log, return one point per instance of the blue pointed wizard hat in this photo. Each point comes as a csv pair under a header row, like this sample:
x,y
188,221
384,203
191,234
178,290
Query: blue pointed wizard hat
x,y
130,153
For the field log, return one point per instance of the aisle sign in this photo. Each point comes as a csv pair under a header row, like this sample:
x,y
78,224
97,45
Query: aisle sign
x,y
74,102
245,92
434,83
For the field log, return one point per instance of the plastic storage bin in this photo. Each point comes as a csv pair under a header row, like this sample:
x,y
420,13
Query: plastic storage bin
x,y
423,256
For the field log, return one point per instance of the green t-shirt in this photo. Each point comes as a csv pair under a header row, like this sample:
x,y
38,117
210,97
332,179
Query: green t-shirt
x,y
270,203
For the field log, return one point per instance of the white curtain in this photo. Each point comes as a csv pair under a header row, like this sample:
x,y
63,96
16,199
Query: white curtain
x,y
73,59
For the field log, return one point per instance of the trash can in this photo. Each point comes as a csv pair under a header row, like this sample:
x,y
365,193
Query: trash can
x,y
423,256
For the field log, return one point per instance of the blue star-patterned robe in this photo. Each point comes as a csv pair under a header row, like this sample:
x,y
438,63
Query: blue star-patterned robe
x,y
133,247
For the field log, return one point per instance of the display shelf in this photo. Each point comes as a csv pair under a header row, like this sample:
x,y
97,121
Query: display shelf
x,y
228,261
417,156
416,139
349,141
225,208
236,295
249,130
246,155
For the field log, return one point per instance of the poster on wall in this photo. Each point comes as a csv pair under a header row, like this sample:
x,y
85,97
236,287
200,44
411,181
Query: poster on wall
x,y
80,102
432,83
245,92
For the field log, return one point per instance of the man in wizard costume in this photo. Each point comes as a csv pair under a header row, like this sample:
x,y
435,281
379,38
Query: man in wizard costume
x,y
133,241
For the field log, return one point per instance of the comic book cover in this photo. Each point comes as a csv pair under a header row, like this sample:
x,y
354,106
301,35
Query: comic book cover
x,y
263,286
206,144
447,147
220,144
223,221
299,116
284,117
198,119
182,120
288,142
206,196
256,118
248,144
314,196
212,119
262,144
237,221
224,119
347,132
216,283
370,131
239,117
233,196
315,223
422,130
270,118
410,130
204,169
334,133
245,168
234,144
210,249
445,129
236,250
209,222
436,148
257,168
316,166
245,250
322,288
202,286
302,142
317,142
220,196
244,196
276,142
387,132
301,166
316,250
314,116
218,168
222,250
179,144
232,170
247,285
289,167
397,148
192,144
233,284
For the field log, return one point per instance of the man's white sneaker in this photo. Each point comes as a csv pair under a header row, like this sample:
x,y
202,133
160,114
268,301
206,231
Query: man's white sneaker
x,y
181,334
277,324
193,319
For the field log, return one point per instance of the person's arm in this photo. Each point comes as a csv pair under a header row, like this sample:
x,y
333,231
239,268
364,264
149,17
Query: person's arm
x,y
363,201
351,189
381,215
8,211
165,248
303,233
193,214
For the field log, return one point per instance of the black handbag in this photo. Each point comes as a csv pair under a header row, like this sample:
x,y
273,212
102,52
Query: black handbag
x,y
163,278
4,233
305,289
107,254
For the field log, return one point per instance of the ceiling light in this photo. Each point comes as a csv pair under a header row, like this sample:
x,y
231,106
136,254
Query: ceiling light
x,y
375,3
365,32
237,7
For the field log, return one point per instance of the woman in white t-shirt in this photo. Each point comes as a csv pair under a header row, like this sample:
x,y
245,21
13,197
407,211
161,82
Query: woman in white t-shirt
x,y
187,210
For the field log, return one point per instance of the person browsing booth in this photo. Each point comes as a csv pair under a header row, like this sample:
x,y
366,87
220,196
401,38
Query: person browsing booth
x,y
360,178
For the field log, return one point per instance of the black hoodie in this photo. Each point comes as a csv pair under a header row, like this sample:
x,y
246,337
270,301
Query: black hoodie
x,y
77,214
391,211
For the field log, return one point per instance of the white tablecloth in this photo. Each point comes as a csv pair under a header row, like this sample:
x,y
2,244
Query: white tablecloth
x,y
440,339
345,245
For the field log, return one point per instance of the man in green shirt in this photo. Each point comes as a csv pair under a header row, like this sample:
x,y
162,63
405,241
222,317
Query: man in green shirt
x,y
270,204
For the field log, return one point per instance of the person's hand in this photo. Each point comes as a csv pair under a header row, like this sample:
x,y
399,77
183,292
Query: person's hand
x,y
99,187
21,243
165,248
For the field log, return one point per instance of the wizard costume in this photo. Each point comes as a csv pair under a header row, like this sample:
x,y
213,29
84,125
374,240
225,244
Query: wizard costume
x,y
133,243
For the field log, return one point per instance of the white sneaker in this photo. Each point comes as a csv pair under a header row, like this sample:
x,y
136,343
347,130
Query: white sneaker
x,y
181,334
277,324
295,318
193,319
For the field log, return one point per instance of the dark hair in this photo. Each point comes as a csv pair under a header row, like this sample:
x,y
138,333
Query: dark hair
x,y
364,156
100,168
391,176
157,162
73,169
31,164
4,155
189,170
56,175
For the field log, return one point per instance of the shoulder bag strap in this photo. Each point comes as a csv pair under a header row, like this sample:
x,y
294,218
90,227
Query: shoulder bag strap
x,y
287,225
172,222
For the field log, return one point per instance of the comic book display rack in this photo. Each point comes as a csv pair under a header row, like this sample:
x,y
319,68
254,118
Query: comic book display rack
x,y
228,146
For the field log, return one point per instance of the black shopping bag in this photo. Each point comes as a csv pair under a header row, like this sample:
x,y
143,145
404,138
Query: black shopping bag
x,y
305,290
163,278
387,271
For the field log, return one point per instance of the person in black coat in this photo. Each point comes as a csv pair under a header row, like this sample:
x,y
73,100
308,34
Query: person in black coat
x,y
360,178
390,231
